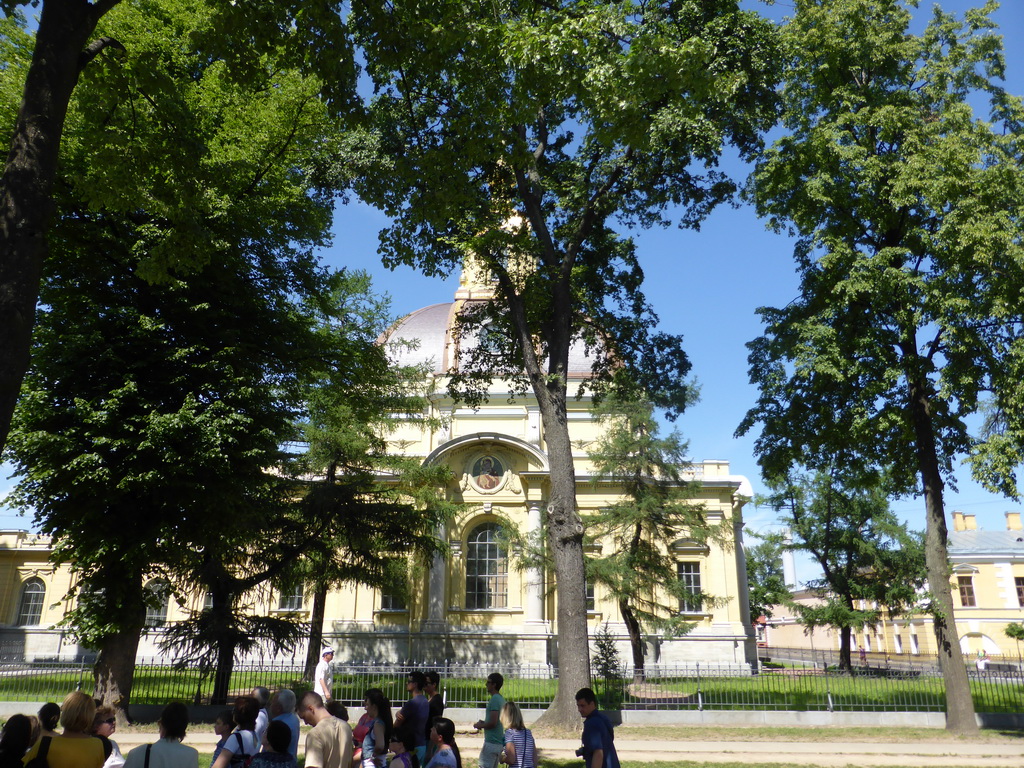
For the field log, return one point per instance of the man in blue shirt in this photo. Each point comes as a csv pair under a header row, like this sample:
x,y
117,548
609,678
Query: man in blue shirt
x,y
415,713
598,750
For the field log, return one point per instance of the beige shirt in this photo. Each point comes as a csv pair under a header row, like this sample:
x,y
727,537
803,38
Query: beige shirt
x,y
329,744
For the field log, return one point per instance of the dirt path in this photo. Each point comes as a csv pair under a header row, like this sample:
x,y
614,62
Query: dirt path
x,y
764,754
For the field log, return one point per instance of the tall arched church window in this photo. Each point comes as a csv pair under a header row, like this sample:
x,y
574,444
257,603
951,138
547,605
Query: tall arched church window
x,y
159,593
486,569
30,609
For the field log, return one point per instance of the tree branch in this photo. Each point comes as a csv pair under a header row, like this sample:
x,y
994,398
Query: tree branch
x,y
92,50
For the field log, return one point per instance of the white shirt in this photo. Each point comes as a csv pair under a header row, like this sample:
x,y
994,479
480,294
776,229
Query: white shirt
x,y
166,753
325,673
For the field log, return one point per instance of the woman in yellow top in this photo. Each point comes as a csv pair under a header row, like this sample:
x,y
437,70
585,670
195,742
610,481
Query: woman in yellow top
x,y
76,747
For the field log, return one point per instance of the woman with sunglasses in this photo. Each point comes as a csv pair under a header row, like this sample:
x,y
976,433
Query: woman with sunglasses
x,y
103,726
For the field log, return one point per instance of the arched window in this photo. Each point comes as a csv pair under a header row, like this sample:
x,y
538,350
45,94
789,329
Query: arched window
x,y
30,610
156,612
486,569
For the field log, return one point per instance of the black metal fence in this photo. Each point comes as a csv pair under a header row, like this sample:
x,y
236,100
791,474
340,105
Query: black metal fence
x,y
692,687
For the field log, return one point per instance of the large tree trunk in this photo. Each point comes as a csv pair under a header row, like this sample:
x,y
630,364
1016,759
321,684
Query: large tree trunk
x,y
316,631
222,677
565,538
959,704
636,640
27,183
114,672
845,660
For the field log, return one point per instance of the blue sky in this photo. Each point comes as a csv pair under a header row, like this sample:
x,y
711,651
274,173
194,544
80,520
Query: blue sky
x,y
704,285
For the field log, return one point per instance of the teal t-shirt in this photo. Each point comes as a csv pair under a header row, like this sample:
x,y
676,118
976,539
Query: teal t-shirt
x,y
495,735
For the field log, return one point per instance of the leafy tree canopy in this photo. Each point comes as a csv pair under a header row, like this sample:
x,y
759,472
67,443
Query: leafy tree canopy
x,y
766,580
637,566
906,204
869,560
520,133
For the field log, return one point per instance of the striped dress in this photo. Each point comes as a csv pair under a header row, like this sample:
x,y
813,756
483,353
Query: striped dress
x,y
526,753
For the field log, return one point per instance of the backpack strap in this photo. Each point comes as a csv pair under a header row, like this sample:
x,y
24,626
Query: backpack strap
x,y
149,748
44,747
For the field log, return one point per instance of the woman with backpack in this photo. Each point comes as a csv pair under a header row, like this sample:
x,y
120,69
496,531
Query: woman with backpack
x,y
76,747
241,746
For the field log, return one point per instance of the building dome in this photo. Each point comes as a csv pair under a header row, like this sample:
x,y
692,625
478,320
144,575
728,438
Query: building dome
x,y
424,338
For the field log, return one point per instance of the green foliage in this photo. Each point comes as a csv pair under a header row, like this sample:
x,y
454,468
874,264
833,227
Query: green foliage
x,y
527,130
637,566
149,438
608,669
905,205
766,581
910,259
1014,631
867,557
521,134
153,409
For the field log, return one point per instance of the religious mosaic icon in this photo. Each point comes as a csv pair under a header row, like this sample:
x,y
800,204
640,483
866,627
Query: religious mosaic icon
x,y
488,473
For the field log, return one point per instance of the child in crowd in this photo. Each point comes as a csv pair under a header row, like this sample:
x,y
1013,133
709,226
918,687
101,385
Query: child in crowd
x,y
275,752
403,746
222,726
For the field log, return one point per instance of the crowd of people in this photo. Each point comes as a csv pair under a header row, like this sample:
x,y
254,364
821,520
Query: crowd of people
x,y
32,741
262,731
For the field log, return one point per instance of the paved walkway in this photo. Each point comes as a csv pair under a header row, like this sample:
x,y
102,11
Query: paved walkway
x,y
834,754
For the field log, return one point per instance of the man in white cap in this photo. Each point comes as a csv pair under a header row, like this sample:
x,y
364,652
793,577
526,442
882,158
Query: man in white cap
x,y
324,674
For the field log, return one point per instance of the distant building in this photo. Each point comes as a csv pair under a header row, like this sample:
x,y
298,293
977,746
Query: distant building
x,y
475,605
987,577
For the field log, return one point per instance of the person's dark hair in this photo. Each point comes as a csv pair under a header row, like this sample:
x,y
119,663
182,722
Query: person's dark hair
x,y
338,709
17,735
311,699
247,709
262,695
404,736
418,679
587,695
279,736
174,720
432,676
376,697
496,679
49,716
446,730
227,716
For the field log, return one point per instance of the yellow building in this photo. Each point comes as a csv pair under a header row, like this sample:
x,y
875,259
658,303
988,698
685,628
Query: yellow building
x,y
475,605
987,577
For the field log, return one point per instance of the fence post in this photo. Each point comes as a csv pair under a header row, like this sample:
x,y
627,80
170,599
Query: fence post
x,y
700,693
828,690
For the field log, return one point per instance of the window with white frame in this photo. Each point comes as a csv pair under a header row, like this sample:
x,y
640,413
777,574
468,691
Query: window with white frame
x,y
158,600
591,599
486,569
292,598
392,601
966,585
691,600
30,609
